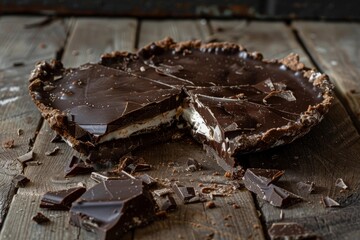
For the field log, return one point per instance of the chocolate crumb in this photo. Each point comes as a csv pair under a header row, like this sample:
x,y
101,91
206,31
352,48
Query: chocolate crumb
x,y
210,204
20,181
306,187
18,64
9,144
20,132
341,184
235,206
40,218
52,152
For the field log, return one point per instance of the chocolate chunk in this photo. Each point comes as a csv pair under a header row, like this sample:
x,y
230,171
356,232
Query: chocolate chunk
x,y
106,176
186,194
167,203
113,207
52,152
20,181
138,167
193,165
210,204
20,132
233,101
76,166
341,184
329,202
61,200
57,139
267,176
40,218
275,195
290,230
29,156
147,179
306,187
163,192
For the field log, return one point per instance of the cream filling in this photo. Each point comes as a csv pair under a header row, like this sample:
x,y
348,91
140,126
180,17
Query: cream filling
x,y
125,132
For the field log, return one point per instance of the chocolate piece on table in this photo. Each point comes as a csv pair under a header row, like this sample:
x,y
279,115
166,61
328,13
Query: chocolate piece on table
x,y
290,230
341,184
275,195
29,156
306,187
57,139
77,166
163,192
167,203
329,202
61,200
106,176
186,194
267,176
137,167
147,179
233,101
20,181
113,207
193,165
40,218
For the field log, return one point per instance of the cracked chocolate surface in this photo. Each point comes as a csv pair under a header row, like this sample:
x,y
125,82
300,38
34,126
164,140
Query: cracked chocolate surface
x,y
234,101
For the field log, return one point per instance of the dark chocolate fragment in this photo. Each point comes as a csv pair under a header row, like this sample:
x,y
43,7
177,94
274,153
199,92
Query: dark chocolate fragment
x,y
52,152
29,156
163,192
210,204
138,167
20,181
20,132
61,200
329,202
147,179
57,139
306,187
275,195
40,218
267,176
290,230
341,184
167,203
186,194
193,165
76,166
113,207
105,176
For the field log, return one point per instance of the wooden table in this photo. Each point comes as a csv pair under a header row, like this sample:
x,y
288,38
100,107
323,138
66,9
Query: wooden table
x,y
330,151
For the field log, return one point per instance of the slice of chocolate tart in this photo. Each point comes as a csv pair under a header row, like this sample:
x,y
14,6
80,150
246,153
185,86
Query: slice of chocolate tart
x,y
232,101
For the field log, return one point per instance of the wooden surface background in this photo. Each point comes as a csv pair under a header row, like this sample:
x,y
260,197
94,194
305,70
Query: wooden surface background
x,y
330,151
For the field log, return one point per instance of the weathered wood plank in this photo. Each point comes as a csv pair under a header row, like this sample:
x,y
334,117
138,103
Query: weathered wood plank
x,y
194,221
20,48
331,150
335,48
50,174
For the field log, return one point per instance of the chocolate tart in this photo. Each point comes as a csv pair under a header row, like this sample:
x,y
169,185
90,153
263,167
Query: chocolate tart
x,y
230,100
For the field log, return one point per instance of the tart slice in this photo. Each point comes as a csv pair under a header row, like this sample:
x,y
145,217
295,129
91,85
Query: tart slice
x,y
232,101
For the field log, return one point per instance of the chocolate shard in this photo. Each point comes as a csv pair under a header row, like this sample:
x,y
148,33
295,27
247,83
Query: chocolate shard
x,y
138,167
106,176
193,165
275,195
113,207
57,139
306,187
290,230
20,181
186,194
40,218
167,203
267,176
341,184
29,156
163,192
62,199
76,166
147,179
52,152
329,202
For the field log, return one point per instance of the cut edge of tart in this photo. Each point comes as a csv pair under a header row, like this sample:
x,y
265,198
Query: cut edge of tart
x,y
184,101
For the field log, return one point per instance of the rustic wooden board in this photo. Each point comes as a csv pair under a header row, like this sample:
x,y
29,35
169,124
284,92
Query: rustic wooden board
x,y
331,150
335,48
20,49
50,174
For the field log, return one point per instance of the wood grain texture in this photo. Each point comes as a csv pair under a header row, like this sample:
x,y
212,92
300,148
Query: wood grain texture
x,y
336,49
20,49
331,150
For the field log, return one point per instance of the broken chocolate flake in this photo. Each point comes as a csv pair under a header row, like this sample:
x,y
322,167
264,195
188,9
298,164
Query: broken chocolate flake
x,y
9,144
26,157
139,167
167,203
57,139
287,95
275,195
113,207
52,152
306,187
40,218
106,176
163,192
329,202
20,181
341,184
267,176
184,193
193,165
61,200
290,230
147,179
77,166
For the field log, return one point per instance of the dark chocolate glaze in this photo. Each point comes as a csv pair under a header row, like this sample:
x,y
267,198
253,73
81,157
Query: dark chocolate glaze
x,y
254,104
